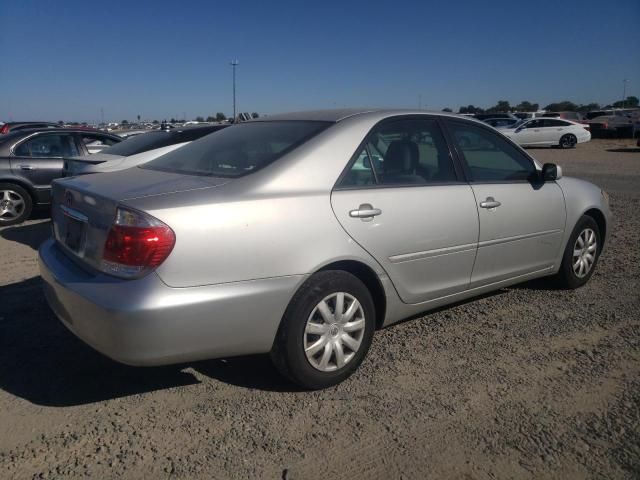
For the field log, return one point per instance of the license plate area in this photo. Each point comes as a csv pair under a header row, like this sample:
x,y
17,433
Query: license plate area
x,y
72,231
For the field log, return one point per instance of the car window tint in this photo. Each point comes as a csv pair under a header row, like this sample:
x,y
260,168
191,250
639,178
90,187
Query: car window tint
x,y
555,123
189,135
489,156
238,150
361,172
47,146
410,152
534,124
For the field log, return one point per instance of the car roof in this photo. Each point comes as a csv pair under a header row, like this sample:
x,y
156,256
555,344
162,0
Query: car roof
x,y
337,115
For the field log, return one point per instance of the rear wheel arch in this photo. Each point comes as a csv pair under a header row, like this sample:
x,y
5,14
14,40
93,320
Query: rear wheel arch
x,y
371,280
21,183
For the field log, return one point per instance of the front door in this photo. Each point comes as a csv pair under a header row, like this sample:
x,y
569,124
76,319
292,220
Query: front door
x,y
522,219
403,201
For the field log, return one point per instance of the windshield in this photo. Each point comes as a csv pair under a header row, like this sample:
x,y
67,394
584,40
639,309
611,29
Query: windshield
x,y
519,123
140,143
238,150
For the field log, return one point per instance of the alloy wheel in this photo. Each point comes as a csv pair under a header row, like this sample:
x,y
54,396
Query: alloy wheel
x,y
12,205
584,252
334,332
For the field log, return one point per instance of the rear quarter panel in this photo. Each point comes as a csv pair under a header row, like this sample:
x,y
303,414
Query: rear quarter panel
x,y
251,237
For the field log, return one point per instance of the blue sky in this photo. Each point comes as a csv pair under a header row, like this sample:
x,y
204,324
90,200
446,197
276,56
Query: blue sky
x,y
160,59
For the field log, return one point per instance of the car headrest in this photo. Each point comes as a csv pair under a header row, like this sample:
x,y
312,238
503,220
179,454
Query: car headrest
x,y
402,157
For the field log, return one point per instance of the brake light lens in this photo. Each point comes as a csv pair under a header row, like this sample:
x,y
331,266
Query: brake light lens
x,y
4,129
137,243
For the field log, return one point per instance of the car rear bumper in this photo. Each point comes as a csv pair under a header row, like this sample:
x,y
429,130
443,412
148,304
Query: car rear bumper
x,y
145,322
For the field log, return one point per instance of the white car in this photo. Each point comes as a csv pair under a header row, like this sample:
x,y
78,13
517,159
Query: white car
x,y
136,150
548,132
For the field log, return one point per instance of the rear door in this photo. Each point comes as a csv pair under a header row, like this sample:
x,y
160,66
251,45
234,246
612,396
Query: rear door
x,y
554,129
39,159
405,202
522,220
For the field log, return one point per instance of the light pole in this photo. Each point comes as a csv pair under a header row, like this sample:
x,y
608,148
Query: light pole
x,y
624,92
234,64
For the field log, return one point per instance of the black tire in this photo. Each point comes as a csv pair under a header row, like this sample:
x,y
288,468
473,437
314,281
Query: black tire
x,y
10,195
567,277
568,141
288,353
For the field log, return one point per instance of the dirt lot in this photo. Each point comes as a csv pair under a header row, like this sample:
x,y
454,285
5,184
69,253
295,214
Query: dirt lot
x,y
524,383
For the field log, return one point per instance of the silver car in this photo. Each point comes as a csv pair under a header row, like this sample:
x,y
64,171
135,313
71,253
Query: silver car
x,y
301,234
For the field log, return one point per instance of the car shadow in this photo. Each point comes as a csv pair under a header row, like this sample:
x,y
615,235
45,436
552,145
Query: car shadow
x,y
624,150
31,235
43,362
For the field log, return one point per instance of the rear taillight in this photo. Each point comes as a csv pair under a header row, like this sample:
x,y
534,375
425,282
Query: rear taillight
x,y
137,243
4,129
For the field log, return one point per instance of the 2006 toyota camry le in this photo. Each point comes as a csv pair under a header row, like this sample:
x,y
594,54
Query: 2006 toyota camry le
x,y
300,234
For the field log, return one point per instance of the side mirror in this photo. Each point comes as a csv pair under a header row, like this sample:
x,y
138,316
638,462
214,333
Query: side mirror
x,y
551,172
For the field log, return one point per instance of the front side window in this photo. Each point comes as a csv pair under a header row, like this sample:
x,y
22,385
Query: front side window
x,y
489,156
43,146
403,152
238,150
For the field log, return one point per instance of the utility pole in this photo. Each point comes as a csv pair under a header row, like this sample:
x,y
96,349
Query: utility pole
x,y
624,92
234,64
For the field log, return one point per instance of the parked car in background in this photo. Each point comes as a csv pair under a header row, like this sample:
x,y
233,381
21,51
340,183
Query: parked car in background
x,y
15,126
573,116
613,122
547,132
282,235
501,122
485,116
31,159
527,115
136,150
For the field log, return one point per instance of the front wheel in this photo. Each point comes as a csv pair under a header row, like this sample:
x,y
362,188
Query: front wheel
x,y
326,330
581,254
568,141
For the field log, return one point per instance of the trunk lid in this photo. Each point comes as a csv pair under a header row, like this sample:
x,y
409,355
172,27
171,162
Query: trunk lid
x,y
84,208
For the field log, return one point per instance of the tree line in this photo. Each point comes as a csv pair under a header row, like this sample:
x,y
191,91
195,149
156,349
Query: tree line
x,y
503,106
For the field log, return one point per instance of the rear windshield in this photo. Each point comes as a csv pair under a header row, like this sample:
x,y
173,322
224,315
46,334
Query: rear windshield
x,y
238,150
140,143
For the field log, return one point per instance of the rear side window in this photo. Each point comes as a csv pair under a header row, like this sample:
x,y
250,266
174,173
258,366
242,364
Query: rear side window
x,y
238,150
89,139
403,152
43,146
489,156
555,123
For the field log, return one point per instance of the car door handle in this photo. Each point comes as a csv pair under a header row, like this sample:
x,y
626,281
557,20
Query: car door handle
x,y
365,211
26,167
490,202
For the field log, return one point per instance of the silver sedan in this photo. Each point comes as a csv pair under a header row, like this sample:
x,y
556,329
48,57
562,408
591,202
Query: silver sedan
x,y
301,234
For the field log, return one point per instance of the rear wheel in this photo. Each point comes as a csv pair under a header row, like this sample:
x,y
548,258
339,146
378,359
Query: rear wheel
x,y
15,204
581,254
568,141
326,330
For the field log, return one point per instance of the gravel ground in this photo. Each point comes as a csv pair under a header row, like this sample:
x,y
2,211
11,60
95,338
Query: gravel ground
x,y
525,383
